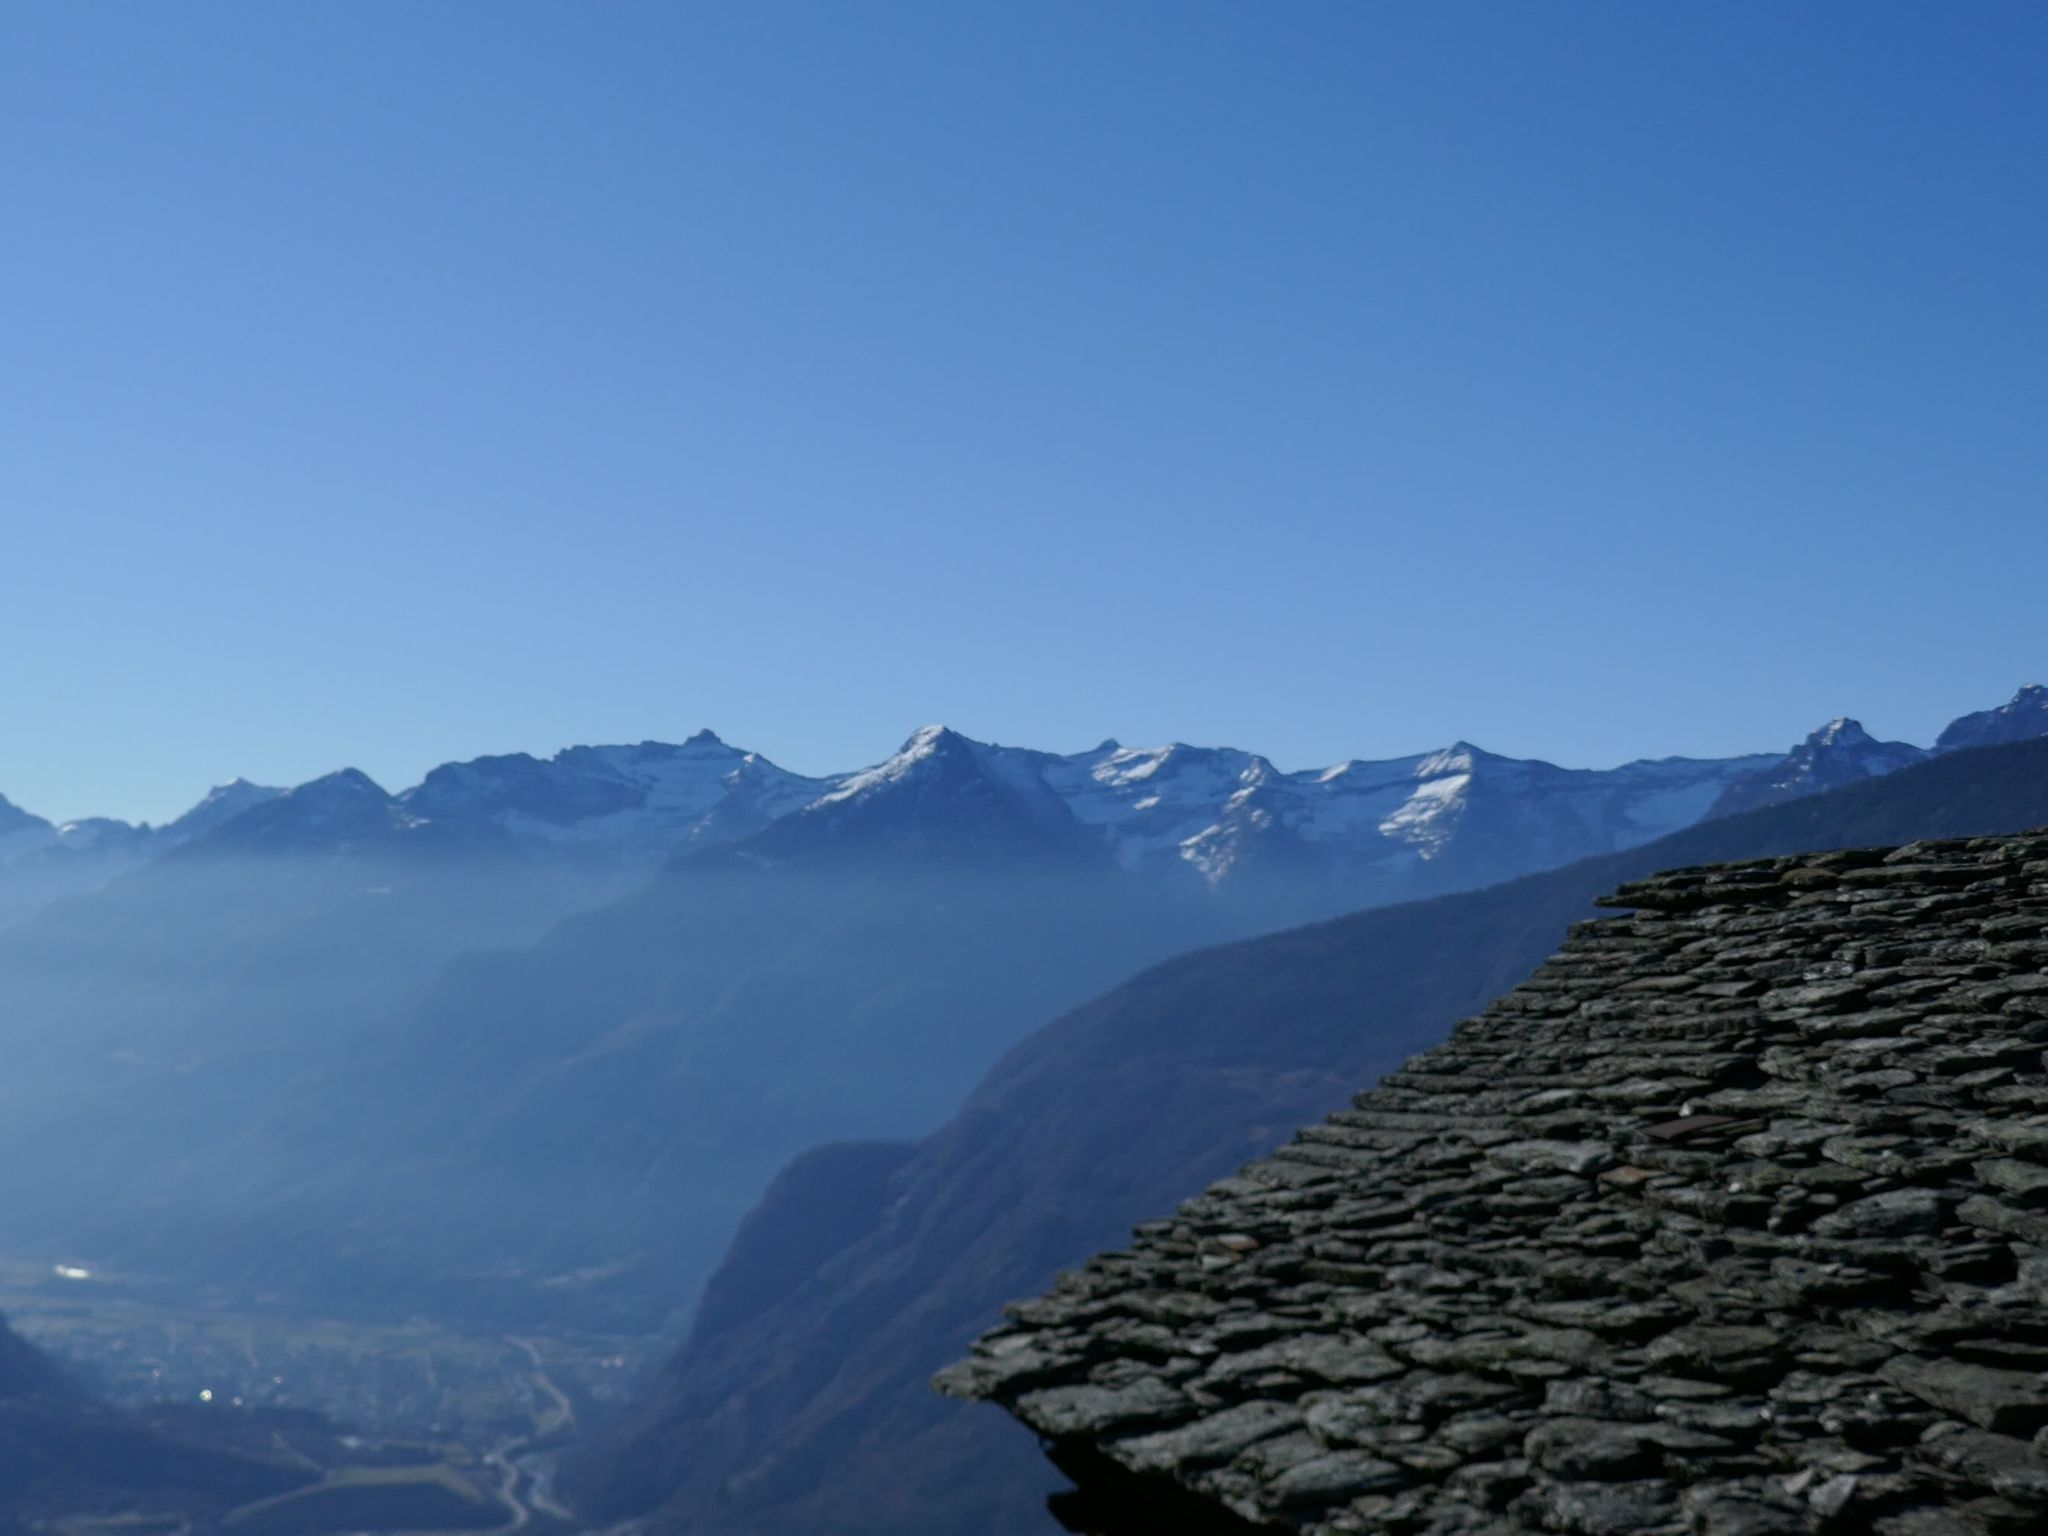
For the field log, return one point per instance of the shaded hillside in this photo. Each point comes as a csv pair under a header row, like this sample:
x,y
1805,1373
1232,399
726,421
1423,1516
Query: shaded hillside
x,y
815,1413
609,1103
26,1371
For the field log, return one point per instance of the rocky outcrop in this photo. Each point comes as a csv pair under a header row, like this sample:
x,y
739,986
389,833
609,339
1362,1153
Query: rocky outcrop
x,y
1732,1220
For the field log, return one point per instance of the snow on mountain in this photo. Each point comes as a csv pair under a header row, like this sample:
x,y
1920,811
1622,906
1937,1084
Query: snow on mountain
x,y
928,748
105,839
1840,752
2022,719
1148,803
940,796
633,805
637,803
1359,830
102,835
1476,816
1322,839
1375,828
344,809
40,864
1209,808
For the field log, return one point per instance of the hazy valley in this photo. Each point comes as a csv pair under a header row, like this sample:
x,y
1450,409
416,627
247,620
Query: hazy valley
x,y
367,1103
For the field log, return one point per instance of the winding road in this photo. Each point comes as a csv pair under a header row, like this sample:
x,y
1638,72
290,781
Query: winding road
x,y
521,1469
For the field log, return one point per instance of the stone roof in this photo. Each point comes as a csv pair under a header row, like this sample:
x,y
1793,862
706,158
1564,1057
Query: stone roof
x,y
1731,1220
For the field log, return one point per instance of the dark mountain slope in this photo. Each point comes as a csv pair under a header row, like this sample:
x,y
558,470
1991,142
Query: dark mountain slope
x,y
61,1451
26,1371
813,1413
2021,718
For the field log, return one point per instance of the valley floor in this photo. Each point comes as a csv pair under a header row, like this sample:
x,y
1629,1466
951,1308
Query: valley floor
x,y
413,1427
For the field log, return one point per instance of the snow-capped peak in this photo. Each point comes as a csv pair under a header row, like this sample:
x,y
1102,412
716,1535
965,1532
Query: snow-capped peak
x,y
1172,808
1840,732
2022,718
1840,752
636,803
927,744
1426,820
927,739
1458,757
1135,765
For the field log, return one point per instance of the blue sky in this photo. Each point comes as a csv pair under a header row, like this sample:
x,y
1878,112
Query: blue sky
x,y
381,384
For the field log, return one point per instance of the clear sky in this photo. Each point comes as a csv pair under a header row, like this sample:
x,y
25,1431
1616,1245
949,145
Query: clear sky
x,y
388,383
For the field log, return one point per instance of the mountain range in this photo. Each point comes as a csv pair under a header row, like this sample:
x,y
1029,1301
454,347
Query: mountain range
x,y
1440,819
526,1041
42,862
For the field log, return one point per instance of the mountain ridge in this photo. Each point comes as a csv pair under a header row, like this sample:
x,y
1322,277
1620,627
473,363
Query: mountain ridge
x,y
1371,829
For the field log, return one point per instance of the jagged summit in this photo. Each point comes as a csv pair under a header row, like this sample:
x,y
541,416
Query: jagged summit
x,y
40,863
928,752
1839,752
94,832
929,740
346,809
928,749
943,798
1838,732
340,785
1355,833
629,804
1725,1221
221,804
2024,717
1459,757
